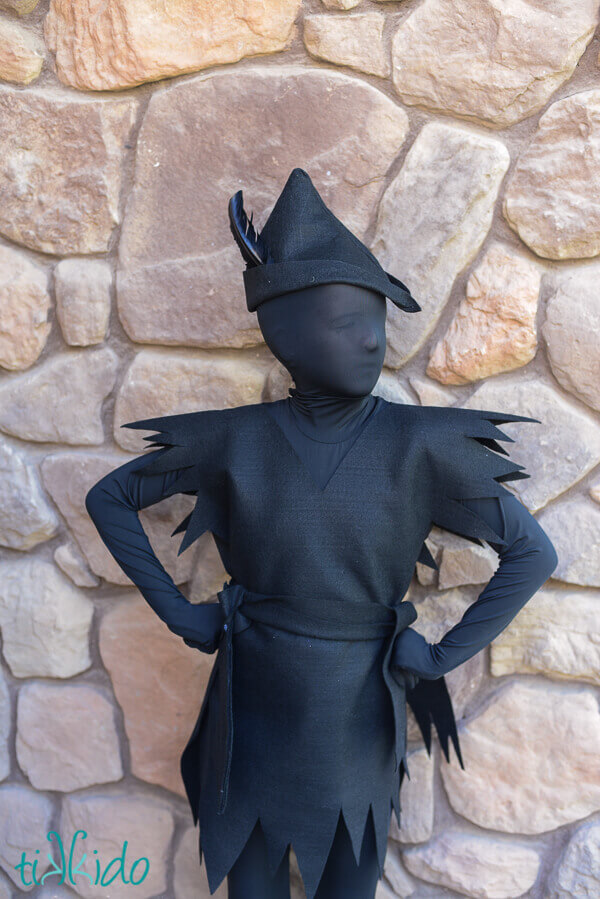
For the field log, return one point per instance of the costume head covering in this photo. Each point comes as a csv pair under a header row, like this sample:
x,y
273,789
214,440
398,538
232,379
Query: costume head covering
x,y
303,244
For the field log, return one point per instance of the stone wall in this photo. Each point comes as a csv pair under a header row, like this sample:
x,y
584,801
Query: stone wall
x,y
460,139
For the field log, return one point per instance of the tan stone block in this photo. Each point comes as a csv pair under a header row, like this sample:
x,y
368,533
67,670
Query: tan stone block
x,y
60,401
159,683
61,163
45,620
48,718
573,525
489,62
24,305
68,477
25,818
555,634
149,37
128,825
26,516
21,53
432,220
548,200
544,770
83,300
356,41
494,328
475,865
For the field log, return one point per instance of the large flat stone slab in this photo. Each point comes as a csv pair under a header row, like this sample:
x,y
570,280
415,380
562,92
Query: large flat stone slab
x,y
159,40
183,284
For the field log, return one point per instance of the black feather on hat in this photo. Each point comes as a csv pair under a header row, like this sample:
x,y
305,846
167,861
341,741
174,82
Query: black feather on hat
x,y
303,244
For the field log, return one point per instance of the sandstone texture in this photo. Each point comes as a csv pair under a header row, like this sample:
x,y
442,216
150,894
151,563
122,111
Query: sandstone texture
x,y
21,53
494,329
548,200
555,634
142,825
24,306
571,331
60,400
573,525
486,61
553,779
48,717
61,195
68,477
149,37
83,300
355,41
159,683
44,619
183,285
26,516
455,175
25,817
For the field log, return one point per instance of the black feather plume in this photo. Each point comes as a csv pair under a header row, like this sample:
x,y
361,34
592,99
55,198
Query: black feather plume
x,y
251,246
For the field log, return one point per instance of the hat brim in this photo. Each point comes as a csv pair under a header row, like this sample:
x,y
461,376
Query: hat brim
x,y
263,282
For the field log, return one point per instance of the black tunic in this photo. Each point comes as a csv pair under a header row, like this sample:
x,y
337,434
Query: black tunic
x,y
313,729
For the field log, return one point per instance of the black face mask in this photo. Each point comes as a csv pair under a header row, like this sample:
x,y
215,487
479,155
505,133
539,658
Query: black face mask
x,y
331,338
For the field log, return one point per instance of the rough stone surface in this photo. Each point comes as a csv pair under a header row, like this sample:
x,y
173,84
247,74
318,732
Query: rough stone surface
x,y
48,718
61,195
21,53
166,383
392,389
571,331
71,561
21,7
573,525
416,801
142,826
341,4
5,727
26,517
60,401
554,777
556,634
25,818
398,884
494,328
356,41
149,37
551,457
459,561
68,477
45,620
548,201
595,492
24,305
189,875
475,865
83,300
454,174
430,393
355,133
484,60
577,873
159,683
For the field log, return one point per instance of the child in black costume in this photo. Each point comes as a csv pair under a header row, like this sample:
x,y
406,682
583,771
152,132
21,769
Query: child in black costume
x,y
319,505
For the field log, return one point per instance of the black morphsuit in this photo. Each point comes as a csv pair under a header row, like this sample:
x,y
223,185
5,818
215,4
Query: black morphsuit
x,y
332,340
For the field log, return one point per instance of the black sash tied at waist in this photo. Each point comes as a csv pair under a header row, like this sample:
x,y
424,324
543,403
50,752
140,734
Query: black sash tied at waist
x,y
325,618
320,617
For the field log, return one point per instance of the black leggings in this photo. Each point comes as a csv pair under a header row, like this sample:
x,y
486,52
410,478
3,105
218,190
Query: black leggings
x,y
250,878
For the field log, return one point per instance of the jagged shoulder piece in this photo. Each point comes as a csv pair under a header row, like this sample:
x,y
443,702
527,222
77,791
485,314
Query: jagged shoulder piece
x,y
194,444
463,461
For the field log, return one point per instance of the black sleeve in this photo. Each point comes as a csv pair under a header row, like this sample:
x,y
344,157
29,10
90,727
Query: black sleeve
x,y
527,559
113,504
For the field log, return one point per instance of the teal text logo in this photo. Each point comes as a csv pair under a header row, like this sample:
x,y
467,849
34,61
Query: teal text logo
x,y
69,868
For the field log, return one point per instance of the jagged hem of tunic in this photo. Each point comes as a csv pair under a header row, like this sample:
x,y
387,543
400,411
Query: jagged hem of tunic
x,y
311,860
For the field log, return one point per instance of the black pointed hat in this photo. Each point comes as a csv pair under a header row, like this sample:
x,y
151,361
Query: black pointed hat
x,y
303,244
